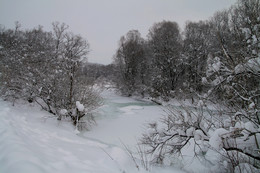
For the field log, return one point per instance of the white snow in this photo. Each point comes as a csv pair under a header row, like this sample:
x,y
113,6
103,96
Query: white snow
x,y
31,144
200,103
253,64
247,32
239,69
227,123
190,131
123,121
76,131
216,64
239,125
245,167
216,138
252,105
80,106
186,116
63,111
130,109
250,127
217,81
254,38
199,135
34,141
204,80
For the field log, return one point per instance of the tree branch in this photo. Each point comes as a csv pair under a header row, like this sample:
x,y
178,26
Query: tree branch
x,y
241,151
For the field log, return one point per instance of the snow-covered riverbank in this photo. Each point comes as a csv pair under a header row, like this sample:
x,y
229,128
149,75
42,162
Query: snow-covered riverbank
x,y
33,141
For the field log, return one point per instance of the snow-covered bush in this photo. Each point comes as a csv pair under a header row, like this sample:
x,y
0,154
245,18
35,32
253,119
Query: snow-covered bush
x,y
175,132
77,115
206,131
46,68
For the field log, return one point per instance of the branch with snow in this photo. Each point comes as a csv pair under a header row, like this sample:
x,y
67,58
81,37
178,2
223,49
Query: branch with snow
x,y
174,133
180,128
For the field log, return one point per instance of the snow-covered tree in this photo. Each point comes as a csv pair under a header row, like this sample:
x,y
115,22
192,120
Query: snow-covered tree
x,y
130,63
26,56
164,40
197,40
46,67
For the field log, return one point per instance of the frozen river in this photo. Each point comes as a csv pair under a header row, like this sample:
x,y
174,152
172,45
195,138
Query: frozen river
x,y
123,119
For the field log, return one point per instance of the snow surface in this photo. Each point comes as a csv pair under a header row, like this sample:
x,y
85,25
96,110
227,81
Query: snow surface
x,y
63,111
34,141
190,131
80,106
239,69
216,139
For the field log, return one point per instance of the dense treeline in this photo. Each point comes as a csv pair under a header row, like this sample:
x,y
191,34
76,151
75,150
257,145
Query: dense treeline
x,y
171,63
99,73
46,67
215,60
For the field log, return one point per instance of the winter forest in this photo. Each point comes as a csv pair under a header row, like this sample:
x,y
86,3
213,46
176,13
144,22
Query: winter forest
x,y
179,100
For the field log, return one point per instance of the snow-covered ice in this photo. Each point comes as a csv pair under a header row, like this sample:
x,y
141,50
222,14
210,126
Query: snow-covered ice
x,y
124,121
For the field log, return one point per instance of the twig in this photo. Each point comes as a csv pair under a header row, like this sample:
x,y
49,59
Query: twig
x,y
130,154
107,153
119,167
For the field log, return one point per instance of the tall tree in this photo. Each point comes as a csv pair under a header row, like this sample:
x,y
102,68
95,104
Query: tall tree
x,y
129,60
197,41
45,67
165,43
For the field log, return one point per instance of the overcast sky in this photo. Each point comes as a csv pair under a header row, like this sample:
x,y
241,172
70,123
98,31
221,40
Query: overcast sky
x,y
103,22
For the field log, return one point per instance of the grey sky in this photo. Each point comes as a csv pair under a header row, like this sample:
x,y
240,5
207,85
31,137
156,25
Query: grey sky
x,y
103,22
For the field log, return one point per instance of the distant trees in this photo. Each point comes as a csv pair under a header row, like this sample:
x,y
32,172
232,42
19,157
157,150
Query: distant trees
x,y
151,66
167,64
45,67
130,58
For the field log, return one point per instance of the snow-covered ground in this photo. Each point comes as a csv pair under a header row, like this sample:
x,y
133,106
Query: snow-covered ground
x,y
33,141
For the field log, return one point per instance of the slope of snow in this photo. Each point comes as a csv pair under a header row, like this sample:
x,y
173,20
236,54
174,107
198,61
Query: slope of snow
x,y
33,141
